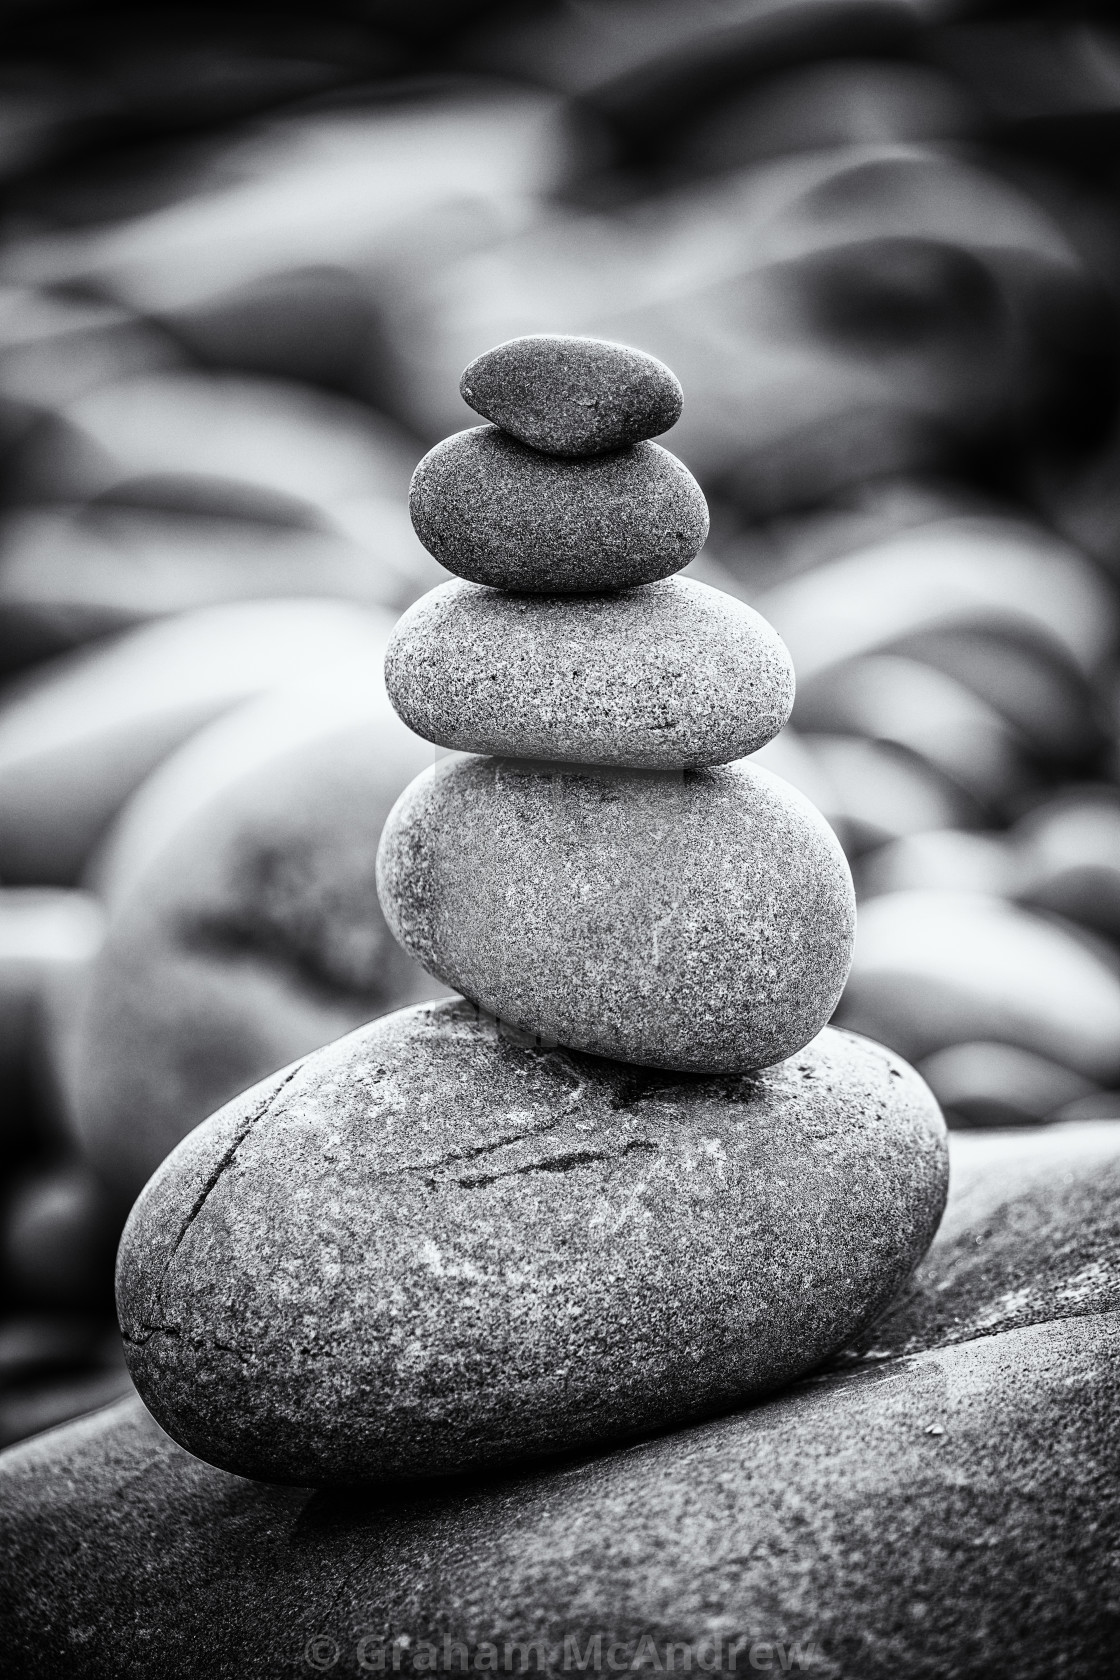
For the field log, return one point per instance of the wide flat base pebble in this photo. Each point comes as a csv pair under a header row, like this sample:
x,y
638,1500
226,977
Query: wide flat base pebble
x,y
700,920
573,396
673,674
494,511
430,1248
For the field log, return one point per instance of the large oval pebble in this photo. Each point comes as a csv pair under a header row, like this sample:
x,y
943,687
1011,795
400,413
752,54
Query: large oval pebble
x,y
431,1248
700,920
495,511
672,674
573,396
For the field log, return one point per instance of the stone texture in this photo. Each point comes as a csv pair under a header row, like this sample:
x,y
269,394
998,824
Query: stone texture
x,y
675,674
573,396
244,929
951,1514
429,1248
494,511
1031,1233
700,920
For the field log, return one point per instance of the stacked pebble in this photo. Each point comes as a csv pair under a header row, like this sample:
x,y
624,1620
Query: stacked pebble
x,y
626,1179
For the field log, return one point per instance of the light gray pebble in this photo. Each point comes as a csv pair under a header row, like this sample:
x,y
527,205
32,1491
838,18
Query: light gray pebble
x,y
699,919
430,1248
673,674
495,511
573,396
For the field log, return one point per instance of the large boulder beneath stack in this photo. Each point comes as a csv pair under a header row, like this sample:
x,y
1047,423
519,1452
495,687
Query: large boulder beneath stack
x,y
430,1248
947,1507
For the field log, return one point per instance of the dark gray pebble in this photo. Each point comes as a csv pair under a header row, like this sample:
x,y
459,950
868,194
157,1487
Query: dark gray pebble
x,y
573,396
495,511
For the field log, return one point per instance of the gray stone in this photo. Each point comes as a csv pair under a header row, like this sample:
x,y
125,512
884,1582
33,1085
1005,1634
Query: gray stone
x,y
250,935
829,1513
429,1248
674,674
495,511
573,396
1031,1233
700,920
950,1514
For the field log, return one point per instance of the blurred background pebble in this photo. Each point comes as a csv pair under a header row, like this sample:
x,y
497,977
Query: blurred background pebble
x,y
243,258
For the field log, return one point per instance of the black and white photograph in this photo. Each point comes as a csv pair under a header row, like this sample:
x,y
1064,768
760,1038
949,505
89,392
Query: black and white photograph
x,y
559,839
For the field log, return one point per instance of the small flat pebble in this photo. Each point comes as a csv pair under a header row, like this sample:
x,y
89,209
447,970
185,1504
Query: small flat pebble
x,y
697,919
431,1247
671,674
495,511
573,396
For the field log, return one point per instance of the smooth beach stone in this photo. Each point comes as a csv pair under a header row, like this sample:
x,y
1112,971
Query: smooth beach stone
x,y
1031,1233
495,511
431,1248
674,674
964,1465
573,396
244,928
700,920
953,1513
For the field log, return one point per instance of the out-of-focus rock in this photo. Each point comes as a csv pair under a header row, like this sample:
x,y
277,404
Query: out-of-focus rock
x,y
1050,704
933,969
1069,852
944,860
969,572
885,697
881,792
362,189
837,103
244,927
68,575
47,941
832,316
79,736
57,1237
55,349
1001,1084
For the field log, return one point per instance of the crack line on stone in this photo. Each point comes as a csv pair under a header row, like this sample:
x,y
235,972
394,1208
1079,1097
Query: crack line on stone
x,y
199,1203
226,1161
559,1163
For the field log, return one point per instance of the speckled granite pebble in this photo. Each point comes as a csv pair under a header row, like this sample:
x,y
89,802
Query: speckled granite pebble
x,y
573,396
430,1248
672,674
700,919
492,510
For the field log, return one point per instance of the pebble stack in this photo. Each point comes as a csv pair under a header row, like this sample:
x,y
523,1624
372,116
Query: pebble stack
x,y
628,1177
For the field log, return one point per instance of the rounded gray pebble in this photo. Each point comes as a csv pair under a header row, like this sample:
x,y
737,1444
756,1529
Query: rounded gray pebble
x,y
700,920
495,511
674,674
573,396
430,1248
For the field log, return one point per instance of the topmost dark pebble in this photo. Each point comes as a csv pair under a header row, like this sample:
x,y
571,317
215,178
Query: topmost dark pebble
x,y
573,396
